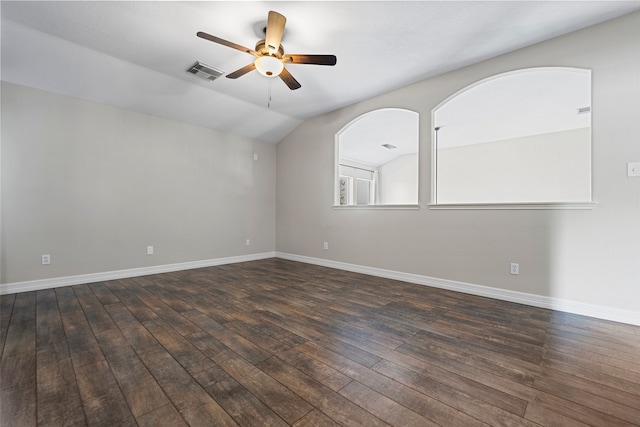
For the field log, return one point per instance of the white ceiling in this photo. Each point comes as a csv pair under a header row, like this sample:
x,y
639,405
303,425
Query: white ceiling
x,y
134,55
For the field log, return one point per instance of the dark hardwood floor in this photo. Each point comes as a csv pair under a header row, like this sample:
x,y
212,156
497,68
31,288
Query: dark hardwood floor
x,y
280,343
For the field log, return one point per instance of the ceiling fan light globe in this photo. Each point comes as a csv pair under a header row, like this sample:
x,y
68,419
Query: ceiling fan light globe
x,y
269,66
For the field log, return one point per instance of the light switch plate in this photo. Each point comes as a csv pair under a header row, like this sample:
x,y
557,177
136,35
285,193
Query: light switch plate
x,y
633,169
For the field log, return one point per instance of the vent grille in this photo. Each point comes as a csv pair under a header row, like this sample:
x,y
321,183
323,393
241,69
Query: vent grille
x,y
205,72
584,110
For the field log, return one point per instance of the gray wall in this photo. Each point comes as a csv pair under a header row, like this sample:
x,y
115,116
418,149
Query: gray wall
x,y
588,256
93,186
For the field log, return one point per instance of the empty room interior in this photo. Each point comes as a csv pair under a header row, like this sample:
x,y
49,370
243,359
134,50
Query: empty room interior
x,y
320,213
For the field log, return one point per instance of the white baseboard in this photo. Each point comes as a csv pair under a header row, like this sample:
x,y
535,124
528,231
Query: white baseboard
x,y
591,310
575,307
36,285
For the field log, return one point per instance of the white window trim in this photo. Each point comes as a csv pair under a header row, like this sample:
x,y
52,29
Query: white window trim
x,y
376,207
515,206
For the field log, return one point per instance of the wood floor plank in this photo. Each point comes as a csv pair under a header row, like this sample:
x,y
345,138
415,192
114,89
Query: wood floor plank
x,y
49,329
276,342
94,311
387,327
141,391
432,409
600,398
287,404
258,337
627,343
384,408
481,343
104,295
589,324
278,333
185,353
316,418
332,404
138,308
83,347
237,343
578,412
567,347
167,415
324,374
560,338
547,417
58,398
587,369
18,386
318,334
18,406
21,332
67,300
243,406
208,415
164,311
155,288
6,309
102,400
468,368
135,332
189,397
444,348
463,402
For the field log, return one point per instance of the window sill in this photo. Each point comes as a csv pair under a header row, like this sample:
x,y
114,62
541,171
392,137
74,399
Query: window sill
x,y
376,207
515,206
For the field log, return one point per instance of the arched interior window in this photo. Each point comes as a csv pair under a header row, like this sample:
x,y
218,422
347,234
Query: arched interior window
x,y
518,137
377,159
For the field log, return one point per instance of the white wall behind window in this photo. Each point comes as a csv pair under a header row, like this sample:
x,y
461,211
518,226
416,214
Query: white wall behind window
x,y
399,180
553,167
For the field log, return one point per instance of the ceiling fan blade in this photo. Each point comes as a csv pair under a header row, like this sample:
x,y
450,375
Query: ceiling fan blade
x,y
275,29
288,79
310,59
225,43
242,71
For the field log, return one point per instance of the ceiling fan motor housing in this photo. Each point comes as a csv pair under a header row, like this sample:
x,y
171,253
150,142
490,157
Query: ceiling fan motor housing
x,y
263,49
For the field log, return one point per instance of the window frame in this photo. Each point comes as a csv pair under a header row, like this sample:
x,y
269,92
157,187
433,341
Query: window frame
x,y
337,175
538,205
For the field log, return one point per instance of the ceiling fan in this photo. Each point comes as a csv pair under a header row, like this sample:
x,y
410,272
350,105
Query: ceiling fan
x,y
270,57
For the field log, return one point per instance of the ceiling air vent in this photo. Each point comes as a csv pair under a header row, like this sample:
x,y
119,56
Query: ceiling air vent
x,y
205,72
584,110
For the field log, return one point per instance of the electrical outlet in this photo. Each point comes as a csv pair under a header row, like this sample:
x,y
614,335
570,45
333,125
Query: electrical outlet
x,y
149,250
326,245
515,268
46,259
633,169
248,242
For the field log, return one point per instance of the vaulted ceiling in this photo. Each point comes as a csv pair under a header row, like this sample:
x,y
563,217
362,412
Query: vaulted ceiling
x,y
134,55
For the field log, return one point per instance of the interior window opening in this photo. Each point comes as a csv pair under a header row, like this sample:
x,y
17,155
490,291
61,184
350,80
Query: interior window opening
x,y
377,159
518,137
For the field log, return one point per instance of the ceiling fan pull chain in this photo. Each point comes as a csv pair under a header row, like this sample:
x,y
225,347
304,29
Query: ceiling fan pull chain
x,y
269,94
